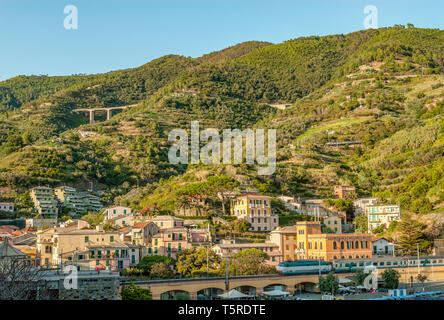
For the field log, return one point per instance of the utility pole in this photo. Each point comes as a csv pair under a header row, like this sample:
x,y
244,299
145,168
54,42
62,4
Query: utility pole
x,y
207,261
417,249
226,273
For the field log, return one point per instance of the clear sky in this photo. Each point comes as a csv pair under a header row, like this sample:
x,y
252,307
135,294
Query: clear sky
x,y
118,34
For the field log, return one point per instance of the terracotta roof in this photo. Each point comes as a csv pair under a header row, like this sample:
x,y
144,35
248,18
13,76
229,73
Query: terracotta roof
x,y
252,195
141,224
125,229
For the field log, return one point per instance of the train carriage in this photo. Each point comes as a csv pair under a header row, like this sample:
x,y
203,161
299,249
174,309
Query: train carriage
x,y
304,267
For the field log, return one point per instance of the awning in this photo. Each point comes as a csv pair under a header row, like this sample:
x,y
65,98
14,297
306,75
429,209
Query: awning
x,y
275,293
233,294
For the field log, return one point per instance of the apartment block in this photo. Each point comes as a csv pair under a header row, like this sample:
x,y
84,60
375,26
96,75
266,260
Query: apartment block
x,y
45,203
255,209
70,198
382,215
360,205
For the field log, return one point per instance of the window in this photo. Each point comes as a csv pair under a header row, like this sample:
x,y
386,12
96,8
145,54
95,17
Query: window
x,y
97,262
111,238
342,245
357,245
86,238
335,245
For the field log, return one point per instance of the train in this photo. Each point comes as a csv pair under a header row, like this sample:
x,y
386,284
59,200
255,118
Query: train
x,y
352,265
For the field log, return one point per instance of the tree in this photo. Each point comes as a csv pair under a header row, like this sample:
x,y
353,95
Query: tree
x,y
162,271
196,259
411,236
20,280
147,262
391,278
325,229
191,195
94,218
220,185
379,229
422,278
361,224
239,225
360,276
133,292
181,296
247,262
329,284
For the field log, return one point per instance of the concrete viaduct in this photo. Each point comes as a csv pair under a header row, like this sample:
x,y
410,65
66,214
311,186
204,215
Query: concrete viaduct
x,y
255,285
107,109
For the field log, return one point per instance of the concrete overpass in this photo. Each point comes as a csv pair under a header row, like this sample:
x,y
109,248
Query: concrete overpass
x,y
107,109
164,289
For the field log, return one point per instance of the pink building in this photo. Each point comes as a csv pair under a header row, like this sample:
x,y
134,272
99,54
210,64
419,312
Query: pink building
x,y
166,221
168,242
7,206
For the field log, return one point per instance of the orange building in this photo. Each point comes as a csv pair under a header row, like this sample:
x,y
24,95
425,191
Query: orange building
x,y
344,192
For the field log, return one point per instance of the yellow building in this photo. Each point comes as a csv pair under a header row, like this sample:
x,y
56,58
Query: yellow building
x,y
52,243
306,241
255,209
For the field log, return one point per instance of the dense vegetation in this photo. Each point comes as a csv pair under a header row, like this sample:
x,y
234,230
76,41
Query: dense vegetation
x,y
383,88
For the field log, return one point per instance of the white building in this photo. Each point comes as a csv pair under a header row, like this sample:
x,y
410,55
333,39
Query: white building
x,y
382,215
290,203
361,204
382,247
118,211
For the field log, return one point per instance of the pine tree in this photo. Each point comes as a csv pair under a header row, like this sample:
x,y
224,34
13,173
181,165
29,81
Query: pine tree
x,y
411,236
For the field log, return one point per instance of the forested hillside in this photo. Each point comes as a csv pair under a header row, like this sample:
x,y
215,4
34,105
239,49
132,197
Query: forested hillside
x,y
383,88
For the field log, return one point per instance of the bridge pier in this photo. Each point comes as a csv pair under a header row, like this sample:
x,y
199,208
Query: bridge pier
x,y
91,117
108,114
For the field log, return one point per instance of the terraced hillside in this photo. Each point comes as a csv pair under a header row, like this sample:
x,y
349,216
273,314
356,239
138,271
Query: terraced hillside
x,y
382,88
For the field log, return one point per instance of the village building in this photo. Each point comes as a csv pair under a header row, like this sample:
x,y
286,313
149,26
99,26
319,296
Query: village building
x,y
378,215
256,210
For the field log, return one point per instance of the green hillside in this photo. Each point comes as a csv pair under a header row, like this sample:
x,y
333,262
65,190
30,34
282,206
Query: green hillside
x,y
383,88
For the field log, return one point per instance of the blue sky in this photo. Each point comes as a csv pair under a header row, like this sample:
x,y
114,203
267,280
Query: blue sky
x,y
118,34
